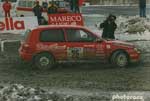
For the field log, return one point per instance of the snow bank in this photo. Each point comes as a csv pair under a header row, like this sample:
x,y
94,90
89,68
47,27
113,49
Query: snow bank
x,y
133,25
133,28
17,92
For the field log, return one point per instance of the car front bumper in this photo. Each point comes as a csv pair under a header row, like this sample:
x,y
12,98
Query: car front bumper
x,y
135,57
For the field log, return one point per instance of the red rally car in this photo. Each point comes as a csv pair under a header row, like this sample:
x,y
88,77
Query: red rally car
x,y
47,45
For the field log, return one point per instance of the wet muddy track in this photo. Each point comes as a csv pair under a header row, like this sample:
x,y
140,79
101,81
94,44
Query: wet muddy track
x,y
83,76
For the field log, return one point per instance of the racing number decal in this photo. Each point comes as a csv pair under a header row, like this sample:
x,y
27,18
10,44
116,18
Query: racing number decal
x,y
75,53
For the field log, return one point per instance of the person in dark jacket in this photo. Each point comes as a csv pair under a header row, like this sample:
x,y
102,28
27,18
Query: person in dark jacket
x,y
142,6
37,10
71,5
109,26
52,9
76,6
45,4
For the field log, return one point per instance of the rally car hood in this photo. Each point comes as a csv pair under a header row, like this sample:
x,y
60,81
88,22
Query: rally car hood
x,y
122,43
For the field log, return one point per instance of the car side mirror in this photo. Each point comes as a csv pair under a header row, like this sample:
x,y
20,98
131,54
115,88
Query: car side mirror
x,y
99,40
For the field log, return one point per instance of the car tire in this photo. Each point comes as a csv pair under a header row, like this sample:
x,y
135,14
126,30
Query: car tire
x,y
44,61
119,59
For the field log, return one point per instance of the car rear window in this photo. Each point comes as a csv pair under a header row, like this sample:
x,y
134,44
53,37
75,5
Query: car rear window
x,y
52,35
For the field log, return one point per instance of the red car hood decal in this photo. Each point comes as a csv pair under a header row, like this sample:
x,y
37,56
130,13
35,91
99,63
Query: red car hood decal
x,y
117,42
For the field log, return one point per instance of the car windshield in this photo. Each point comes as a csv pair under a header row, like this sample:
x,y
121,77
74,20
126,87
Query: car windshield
x,y
26,33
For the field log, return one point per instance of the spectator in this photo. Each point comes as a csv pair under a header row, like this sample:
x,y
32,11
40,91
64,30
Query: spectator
x,y
52,9
37,9
109,26
80,5
45,4
74,6
7,7
71,5
142,6
77,9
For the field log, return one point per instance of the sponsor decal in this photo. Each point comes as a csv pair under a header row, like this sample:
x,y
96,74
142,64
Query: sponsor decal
x,y
100,51
65,19
50,47
99,46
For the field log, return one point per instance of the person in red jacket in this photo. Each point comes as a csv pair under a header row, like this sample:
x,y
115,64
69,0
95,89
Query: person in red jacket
x,y
7,8
79,4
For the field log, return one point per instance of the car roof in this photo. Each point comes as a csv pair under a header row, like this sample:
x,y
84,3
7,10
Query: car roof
x,y
58,26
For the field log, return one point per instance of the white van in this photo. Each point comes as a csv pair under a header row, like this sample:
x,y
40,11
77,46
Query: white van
x,y
24,7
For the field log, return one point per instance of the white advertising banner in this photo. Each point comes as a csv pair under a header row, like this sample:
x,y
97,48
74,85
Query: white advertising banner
x,y
17,25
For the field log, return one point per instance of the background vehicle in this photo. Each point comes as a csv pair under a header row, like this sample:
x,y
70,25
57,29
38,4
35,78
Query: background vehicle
x,y
47,45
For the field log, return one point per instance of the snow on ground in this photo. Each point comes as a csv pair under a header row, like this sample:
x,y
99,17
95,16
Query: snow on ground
x,y
133,28
18,92
130,25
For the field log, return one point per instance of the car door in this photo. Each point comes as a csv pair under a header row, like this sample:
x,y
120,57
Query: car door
x,y
81,44
53,40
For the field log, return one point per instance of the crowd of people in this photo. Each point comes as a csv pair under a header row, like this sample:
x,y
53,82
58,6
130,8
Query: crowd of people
x,y
52,8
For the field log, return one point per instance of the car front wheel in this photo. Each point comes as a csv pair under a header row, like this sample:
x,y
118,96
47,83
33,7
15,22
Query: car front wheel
x,y
119,59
